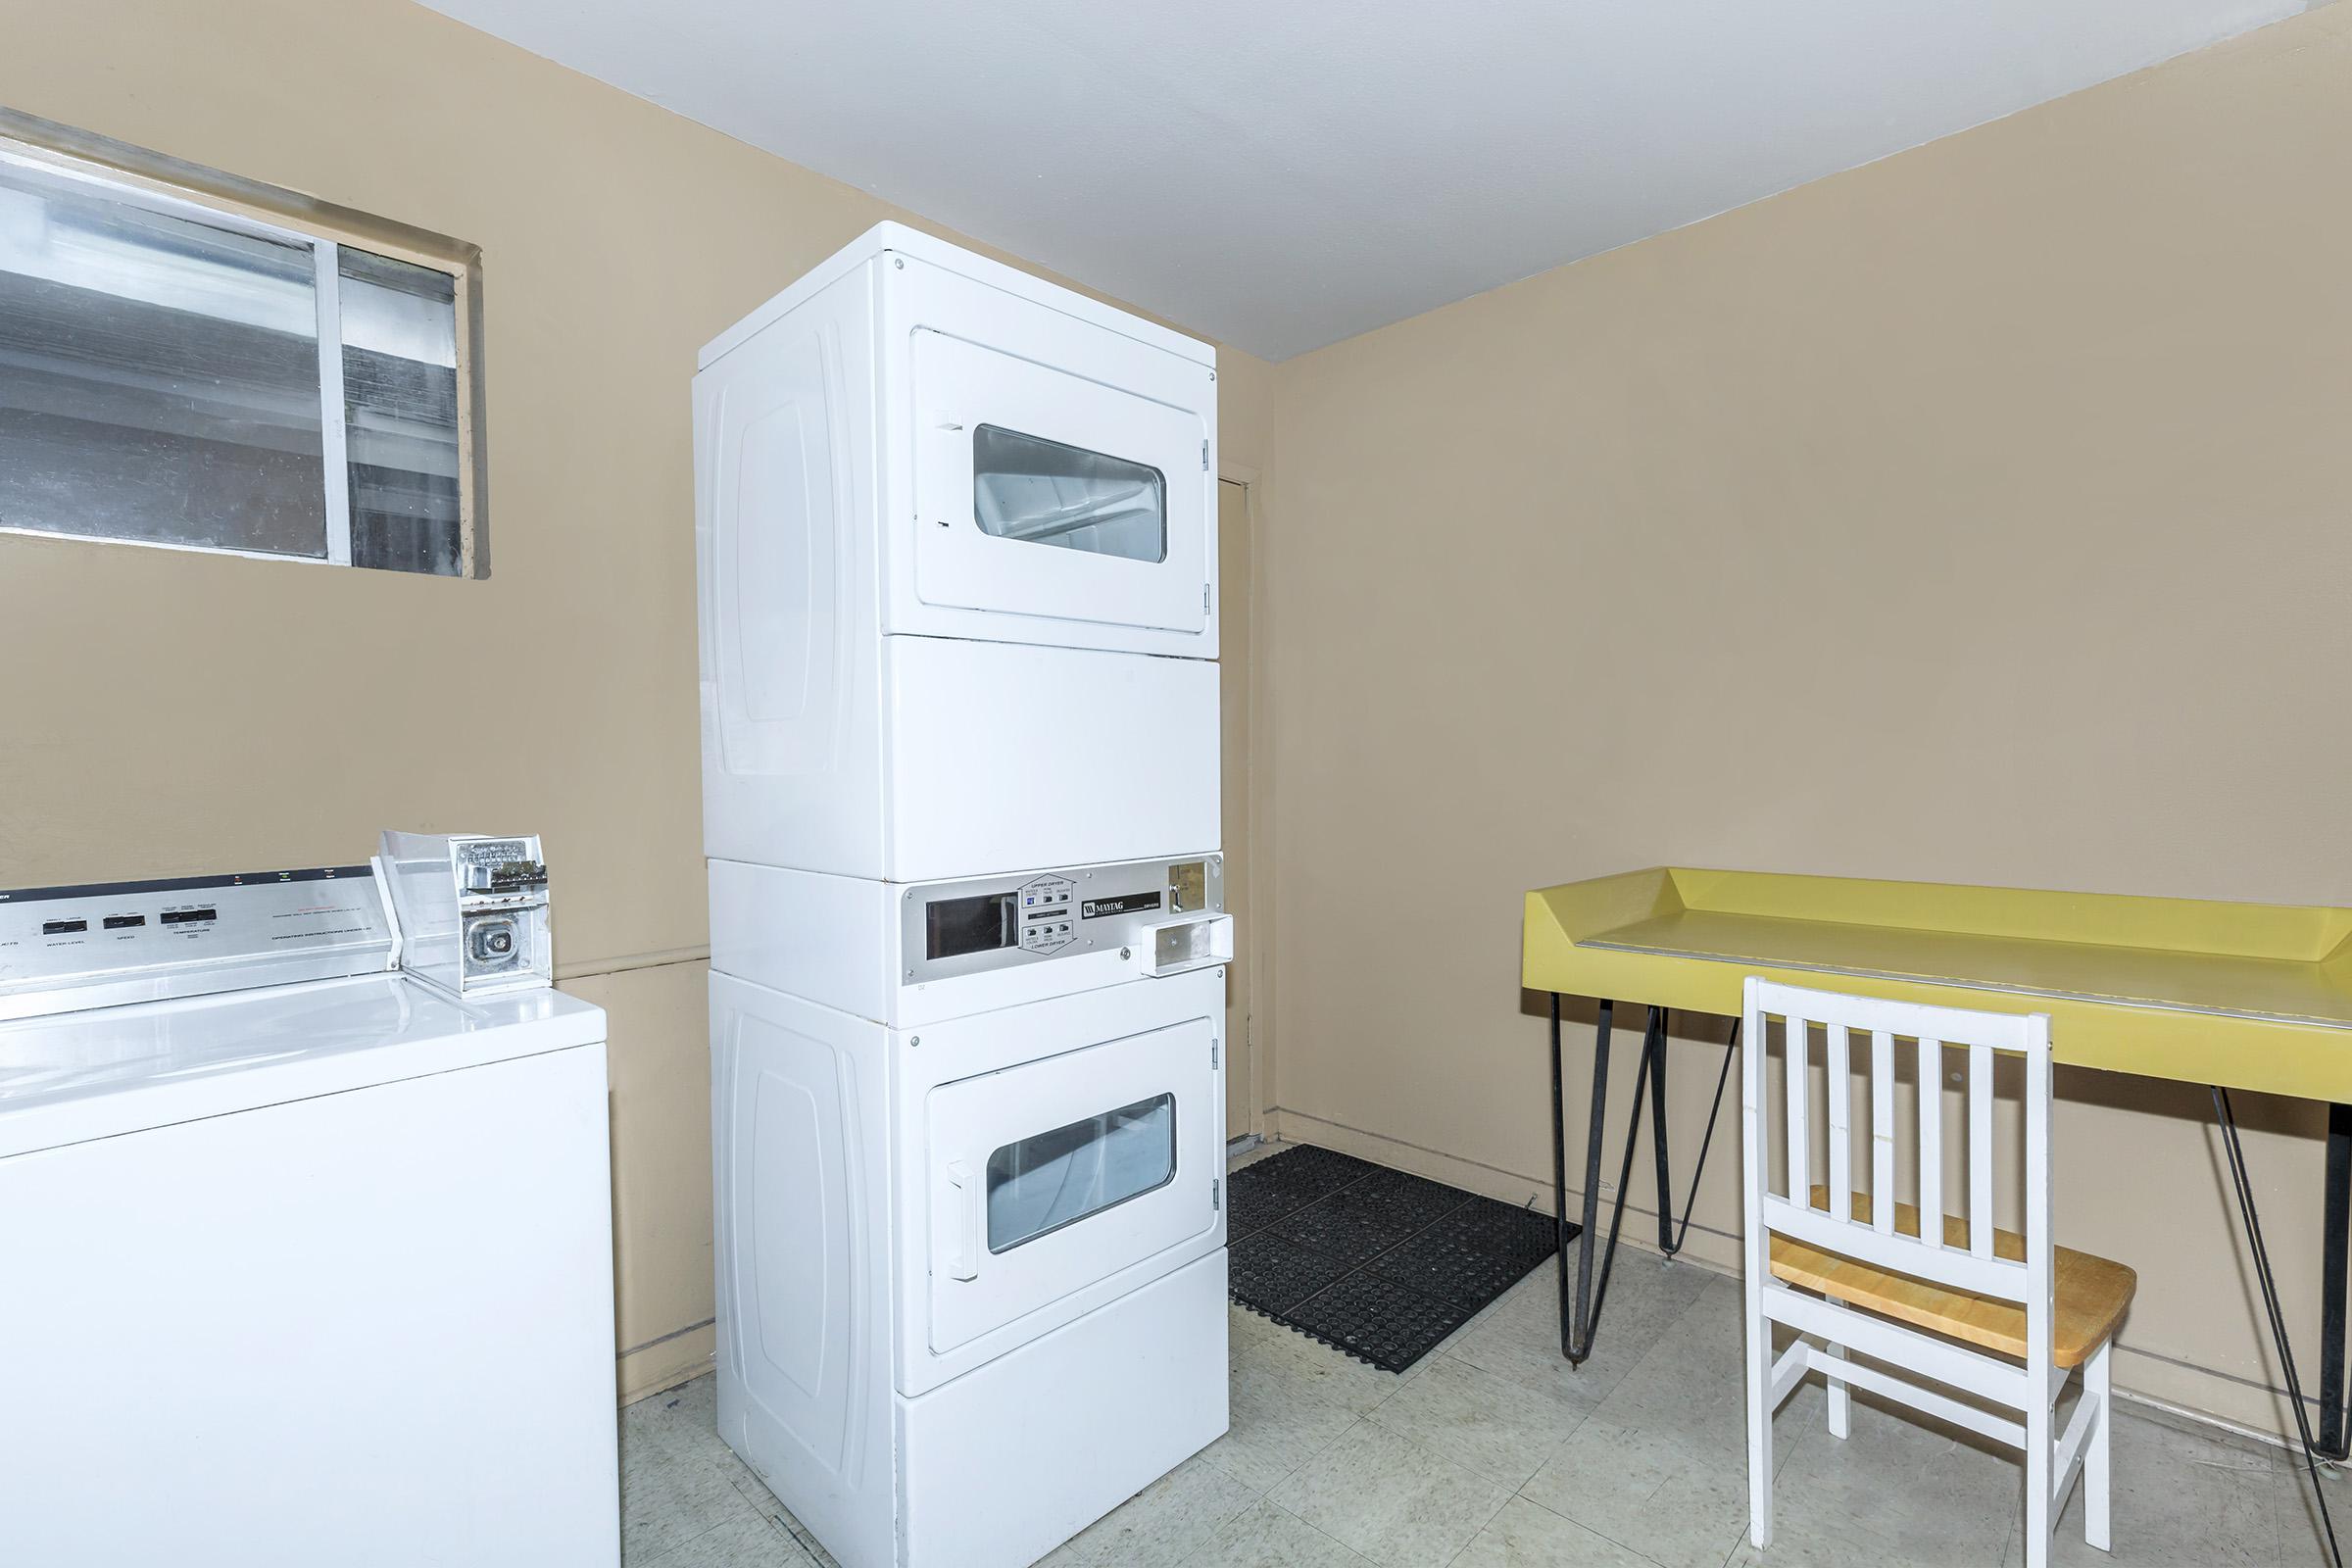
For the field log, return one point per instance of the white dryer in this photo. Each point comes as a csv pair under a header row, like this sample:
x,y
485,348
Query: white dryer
x,y
956,545
971,1286
955,534
302,1260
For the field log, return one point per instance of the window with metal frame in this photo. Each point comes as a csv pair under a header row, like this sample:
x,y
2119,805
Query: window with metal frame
x,y
180,372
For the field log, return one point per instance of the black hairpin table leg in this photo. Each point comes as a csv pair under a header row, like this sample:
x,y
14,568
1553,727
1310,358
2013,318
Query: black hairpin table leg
x,y
1654,1044
1581,1298
2332,1331
1576,1308
2333,1238
1559,1174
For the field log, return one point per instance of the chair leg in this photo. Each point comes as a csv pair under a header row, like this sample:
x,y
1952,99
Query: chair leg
x,y
2040,1454
2094,1456
1759,1423
1839,1399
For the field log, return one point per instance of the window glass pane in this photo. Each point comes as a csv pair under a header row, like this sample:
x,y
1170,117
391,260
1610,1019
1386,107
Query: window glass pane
x,y
1041,492
158,377
399,403
1054,1179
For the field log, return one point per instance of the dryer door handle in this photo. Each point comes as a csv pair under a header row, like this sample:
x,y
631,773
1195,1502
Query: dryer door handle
x,y
966,1263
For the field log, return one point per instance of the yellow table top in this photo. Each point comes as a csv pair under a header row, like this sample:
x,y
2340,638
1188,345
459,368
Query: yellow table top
x,y
2249,995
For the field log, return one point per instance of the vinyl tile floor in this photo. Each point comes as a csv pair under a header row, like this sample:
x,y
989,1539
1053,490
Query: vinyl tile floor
x,y
1490,1452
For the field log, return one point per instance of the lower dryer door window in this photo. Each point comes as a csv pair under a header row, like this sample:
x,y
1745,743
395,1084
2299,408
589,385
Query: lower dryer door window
x,y
1061,1172
1043,1182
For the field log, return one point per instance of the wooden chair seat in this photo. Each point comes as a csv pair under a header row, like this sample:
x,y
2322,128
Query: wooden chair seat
x,y
2091,1292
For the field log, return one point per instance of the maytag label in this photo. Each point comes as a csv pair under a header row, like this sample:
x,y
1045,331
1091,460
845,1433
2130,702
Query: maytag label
x,y
1124,903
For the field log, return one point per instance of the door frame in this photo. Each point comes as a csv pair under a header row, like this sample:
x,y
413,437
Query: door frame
x,y
1254,918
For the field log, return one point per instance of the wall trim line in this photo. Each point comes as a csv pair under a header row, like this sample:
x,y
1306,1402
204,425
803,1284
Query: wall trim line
x,y
665,1338
633,960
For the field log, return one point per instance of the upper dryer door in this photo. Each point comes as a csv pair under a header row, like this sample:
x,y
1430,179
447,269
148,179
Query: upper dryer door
x,y
1081,508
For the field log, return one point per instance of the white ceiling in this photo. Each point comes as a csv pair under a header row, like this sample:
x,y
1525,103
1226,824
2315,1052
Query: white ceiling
x,y
1279,176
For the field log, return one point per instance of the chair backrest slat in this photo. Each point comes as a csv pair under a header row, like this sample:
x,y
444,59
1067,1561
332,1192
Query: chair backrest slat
x,y
2042,1262
1799,1034
1980,1149
1882,1127
1909,1243
1841,1190
1931,1138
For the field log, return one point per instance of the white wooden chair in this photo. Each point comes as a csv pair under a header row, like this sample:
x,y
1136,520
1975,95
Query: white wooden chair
x,y
1959,1306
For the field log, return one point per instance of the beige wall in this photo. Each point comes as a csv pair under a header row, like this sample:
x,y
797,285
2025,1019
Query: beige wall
x,y
2015,461
173,712
1984,514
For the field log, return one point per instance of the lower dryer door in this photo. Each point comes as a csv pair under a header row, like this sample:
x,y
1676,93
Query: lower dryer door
x,y
1090,1162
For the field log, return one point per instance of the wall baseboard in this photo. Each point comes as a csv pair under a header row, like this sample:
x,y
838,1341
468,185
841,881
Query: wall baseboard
x,y
656,1368
2214,1399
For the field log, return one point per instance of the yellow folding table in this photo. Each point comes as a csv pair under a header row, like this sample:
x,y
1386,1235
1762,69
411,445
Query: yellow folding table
x,y
2233,996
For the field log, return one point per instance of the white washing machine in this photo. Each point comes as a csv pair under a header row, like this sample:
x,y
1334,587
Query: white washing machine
x,y
302,1260
957,541
971,1290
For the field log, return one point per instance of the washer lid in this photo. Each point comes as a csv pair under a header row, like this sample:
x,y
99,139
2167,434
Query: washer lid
x,y
112,1070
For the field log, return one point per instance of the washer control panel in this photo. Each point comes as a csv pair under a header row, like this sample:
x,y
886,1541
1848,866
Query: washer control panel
x,y
66,949
984,923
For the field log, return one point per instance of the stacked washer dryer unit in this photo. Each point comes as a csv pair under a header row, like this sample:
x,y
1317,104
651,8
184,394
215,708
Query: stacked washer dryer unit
x,y
957,537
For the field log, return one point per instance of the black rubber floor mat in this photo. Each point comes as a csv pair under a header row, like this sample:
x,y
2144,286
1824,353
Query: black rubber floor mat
x,y
1377,1262
1274,1275
1353,1227
1416,1198
1280,1185
1386,1324
1472,1255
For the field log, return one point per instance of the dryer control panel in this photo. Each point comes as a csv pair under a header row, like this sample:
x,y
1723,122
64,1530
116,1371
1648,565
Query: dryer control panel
x,y
983,923
1045,914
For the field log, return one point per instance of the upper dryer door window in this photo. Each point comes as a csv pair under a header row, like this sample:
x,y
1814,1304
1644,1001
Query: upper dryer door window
x,y
1041,493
